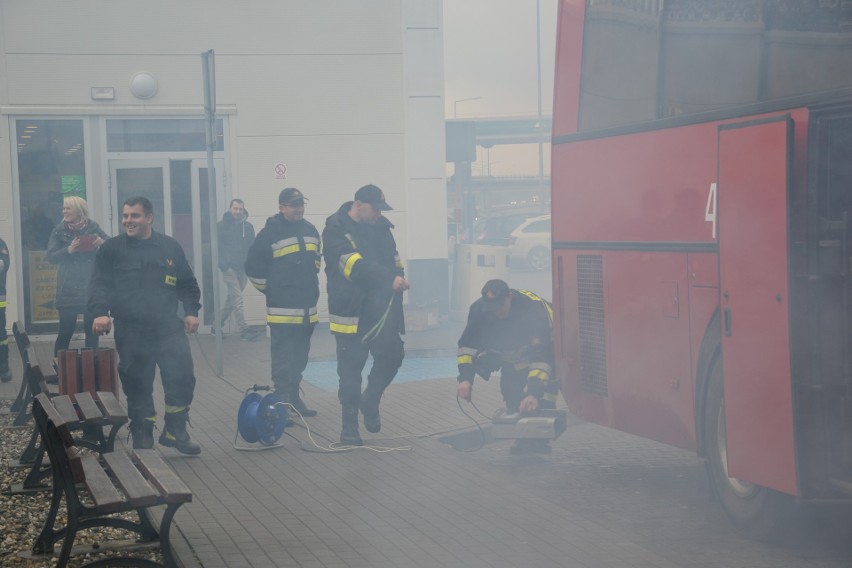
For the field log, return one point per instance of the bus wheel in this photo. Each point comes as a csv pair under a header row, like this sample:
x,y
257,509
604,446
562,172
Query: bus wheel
x,y
539,258
755,510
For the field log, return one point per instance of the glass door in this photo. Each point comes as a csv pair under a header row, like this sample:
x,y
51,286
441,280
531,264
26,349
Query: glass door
x,y
180,196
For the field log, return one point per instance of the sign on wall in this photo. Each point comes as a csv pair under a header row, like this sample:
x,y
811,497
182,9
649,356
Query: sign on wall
x,y
42,288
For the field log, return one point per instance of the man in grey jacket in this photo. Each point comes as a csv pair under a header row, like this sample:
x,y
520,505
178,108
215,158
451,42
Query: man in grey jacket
x,y
236,235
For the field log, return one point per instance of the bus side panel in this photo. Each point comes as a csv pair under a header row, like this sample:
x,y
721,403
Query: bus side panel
x,y
648,358
649,186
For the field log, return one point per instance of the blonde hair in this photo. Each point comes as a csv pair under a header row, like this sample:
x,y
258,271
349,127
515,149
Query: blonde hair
x,y
78,205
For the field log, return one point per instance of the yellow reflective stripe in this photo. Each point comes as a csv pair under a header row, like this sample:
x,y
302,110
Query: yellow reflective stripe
x,y
285,250
4,341
285,319
154,417
311,247
397,261
543,366
547,306
171,280
343,328
467,351
465,359
549,396
538,374
2,304
349,263
174,409
259,283
317,264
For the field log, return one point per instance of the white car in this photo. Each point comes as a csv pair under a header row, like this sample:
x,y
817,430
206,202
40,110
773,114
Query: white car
x,y
529,244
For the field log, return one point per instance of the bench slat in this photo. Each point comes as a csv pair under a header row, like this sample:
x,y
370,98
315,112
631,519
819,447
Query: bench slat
x,y
56,418
112,408
87,357
88,408
65,407
158,472
103,492
139,491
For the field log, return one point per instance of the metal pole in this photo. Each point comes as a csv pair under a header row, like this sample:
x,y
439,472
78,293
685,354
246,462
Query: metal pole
x,y
540,124
208,68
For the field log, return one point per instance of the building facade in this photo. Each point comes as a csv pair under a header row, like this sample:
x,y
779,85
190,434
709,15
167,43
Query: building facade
x,y
105,100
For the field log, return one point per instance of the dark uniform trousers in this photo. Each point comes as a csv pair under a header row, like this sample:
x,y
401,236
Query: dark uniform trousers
x,y
290,347
513,383
388,352
140,350
4,339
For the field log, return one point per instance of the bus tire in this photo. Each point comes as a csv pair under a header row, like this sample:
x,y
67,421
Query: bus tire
x,y
758,512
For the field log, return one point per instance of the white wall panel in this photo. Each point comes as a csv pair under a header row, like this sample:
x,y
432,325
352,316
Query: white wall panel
x,y
422,13
424,63
328,169
425,138
427,230
191,26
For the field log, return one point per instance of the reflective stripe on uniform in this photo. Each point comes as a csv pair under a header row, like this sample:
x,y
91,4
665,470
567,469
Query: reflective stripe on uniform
x,y
291,315
340,324
465,355
174,409
537,298
312,244
347,261
4,341
549,396
397,261
259,283
285,246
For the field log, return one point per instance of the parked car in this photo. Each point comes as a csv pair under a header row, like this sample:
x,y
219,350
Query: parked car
x,y
495,230
529,244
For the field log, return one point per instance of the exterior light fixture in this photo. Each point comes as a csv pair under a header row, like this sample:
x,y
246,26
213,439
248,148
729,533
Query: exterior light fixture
x,y
103,93
143,85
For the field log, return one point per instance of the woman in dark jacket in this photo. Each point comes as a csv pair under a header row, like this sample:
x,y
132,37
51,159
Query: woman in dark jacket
x,y
72,245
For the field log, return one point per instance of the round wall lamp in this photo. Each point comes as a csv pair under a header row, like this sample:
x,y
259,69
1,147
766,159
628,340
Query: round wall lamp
x,y
143,85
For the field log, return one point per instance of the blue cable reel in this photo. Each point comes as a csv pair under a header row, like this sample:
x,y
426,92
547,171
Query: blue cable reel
x,y
261,418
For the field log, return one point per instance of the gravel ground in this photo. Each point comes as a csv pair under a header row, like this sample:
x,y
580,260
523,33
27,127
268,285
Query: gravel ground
x,y
22,516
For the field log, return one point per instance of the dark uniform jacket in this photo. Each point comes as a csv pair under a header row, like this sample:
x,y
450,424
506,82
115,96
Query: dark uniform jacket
x,y
361,262
523,340
235,239
283,263
140,282
75,270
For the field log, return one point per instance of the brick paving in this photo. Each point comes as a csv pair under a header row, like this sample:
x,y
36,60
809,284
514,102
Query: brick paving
x,y
589,505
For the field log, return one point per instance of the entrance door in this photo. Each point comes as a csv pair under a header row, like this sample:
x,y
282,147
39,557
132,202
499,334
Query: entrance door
x,y
754,176
179,193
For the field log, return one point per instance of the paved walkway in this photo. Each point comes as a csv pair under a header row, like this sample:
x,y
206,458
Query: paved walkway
x,y
427,505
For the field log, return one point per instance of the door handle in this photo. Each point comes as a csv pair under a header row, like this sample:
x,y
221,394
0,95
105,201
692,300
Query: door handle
x,y
727,322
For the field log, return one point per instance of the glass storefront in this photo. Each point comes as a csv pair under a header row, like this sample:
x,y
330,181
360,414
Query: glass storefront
x,y
51,166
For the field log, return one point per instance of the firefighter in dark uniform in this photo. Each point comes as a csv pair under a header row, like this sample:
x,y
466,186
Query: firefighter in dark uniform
x,y
138,279
510,331
5,373
283,263
365,285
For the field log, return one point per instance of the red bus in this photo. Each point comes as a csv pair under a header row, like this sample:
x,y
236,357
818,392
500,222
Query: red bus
x,y
701,197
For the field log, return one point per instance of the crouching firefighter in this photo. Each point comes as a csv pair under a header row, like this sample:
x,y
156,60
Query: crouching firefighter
x,y
138,279
510,331
283,263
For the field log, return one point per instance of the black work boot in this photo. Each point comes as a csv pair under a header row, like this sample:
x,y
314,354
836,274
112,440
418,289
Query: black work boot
x,y
142,433
372,418
175,435
5,373
349,435
299,404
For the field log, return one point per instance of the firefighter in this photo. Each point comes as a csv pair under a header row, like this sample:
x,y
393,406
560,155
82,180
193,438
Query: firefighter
x,y
365,286
283,263
138,279
5,373
510,331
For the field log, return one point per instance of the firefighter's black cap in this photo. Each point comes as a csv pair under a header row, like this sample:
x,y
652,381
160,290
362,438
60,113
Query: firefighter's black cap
x,y
291,195
493,294
374,196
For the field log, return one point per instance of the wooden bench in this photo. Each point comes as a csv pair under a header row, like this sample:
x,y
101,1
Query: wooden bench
x,y
96,490
85,413
21,406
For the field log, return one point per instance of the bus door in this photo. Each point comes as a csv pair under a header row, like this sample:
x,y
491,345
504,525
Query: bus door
x,y
753,186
